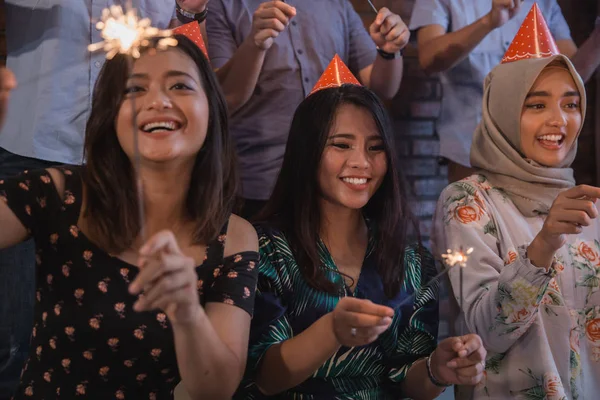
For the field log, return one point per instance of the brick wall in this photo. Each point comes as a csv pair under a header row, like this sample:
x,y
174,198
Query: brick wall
x,y
417,106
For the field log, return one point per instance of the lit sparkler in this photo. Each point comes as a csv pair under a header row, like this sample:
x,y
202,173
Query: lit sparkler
x,y
125,33
457,257
451,259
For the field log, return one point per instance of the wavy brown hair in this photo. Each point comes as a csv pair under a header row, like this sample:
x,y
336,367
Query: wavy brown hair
x,y
111,208
294,205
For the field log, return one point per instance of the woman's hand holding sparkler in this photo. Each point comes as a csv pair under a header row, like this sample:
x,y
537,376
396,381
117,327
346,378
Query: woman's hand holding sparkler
x,y
168,280
571,211
7,83
358,322
459,360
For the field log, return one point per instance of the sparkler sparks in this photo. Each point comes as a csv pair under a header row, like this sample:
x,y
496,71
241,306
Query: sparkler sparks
x,y
457,257
451,259
125,33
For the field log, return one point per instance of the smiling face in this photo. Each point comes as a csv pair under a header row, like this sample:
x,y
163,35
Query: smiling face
x,y
170,106
354,162
551,117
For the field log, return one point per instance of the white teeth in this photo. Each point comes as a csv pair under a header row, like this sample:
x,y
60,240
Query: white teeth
x,y
355,181
162,125
551,138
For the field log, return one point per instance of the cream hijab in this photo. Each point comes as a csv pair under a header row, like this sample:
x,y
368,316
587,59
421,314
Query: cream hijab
x,y
496,148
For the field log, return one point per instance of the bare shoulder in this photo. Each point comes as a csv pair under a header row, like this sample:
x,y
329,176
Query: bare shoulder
x,y
241,236
59,180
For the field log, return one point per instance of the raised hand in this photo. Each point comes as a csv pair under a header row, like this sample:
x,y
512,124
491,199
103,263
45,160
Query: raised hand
x,y
269,20
459,360
572,210
389,32
7,83
167,279
503,11
193,6
357,322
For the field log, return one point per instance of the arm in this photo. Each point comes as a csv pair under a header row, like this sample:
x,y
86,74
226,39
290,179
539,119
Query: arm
x,y
13,230
391,35
587,59
239,75
383,76
417,385
212,368
440,51
501,299
210,342
193,6
211,352
291,362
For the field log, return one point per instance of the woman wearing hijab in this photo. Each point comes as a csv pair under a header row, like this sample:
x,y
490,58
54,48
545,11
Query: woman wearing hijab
x,y
531,284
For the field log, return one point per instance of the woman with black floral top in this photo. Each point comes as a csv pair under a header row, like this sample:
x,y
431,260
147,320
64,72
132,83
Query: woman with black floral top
x,y
95,334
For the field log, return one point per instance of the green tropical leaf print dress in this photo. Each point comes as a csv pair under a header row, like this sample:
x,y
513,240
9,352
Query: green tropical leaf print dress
x,y
286,305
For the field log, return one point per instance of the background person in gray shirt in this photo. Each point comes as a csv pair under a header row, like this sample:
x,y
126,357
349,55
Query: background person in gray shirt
x,y
45,122
464,40
270,54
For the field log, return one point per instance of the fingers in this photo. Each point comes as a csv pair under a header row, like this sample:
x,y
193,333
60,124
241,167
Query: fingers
x,y
163,241
573,217
166,288
152,269
271,18
557,227
451,345
580,191
472,345
365,307
388,28
359,320
584,205
396,34
382,15
285,8
369,335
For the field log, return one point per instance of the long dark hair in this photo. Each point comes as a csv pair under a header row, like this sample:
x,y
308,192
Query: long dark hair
x,y
111,207
294,204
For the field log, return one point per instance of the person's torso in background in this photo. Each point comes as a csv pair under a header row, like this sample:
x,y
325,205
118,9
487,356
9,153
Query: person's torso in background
x,y
292,66
47,50
463,84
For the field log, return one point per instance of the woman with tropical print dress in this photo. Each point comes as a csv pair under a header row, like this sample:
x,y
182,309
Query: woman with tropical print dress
x,y
531,283
343,311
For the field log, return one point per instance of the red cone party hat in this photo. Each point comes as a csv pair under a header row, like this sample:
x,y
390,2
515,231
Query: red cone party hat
x,y
533,40
192,31
336,74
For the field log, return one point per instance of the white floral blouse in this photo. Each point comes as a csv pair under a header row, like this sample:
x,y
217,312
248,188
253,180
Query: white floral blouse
x,y
541,329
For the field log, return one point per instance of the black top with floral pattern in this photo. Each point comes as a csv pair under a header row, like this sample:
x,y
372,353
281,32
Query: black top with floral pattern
x,y
87,341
